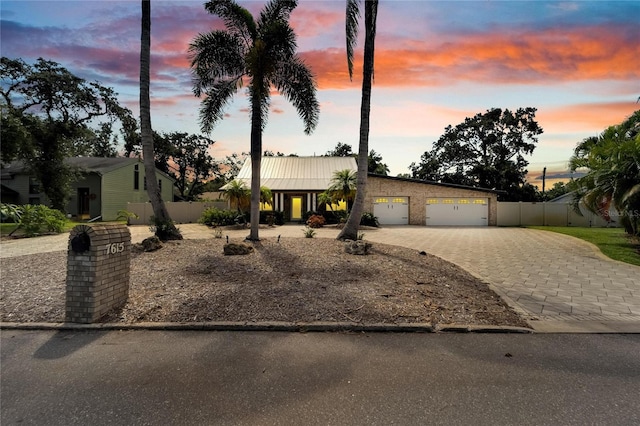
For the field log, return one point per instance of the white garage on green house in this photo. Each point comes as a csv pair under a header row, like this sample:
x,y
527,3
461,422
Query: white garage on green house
x,y
402,201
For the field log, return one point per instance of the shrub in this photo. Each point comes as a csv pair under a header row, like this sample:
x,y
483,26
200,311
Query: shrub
x,y
306,215
368,219
333,217
278,217
315,221
309,232
37,219
10,213
216,217
164,230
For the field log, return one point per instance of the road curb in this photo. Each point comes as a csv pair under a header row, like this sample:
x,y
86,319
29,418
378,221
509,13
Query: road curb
x,y
270,326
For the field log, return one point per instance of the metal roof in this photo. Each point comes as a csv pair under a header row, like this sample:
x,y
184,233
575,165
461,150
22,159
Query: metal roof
x,y
296,173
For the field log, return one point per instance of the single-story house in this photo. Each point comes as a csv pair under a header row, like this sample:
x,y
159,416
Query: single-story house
x,y
105,187
296,182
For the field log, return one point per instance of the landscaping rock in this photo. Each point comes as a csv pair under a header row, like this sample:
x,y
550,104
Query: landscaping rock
x,y
151,244
359,247
233,249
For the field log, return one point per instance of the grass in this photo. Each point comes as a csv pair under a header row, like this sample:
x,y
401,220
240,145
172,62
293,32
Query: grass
x,y
7,228
612,242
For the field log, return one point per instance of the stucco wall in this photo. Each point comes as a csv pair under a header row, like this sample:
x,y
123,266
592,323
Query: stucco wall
x,y
418,193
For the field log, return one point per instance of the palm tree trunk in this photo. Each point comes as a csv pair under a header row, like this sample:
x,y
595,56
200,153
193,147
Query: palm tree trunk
x,y
256,160
350,230
165,229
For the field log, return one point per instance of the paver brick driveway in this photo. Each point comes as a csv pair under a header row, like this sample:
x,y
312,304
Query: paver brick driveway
x,y
548,276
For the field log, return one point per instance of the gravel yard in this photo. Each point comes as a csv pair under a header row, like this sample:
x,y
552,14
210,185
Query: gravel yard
x,y
294,280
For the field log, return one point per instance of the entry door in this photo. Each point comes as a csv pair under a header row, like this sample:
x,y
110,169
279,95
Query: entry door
x,y
83,203
296,208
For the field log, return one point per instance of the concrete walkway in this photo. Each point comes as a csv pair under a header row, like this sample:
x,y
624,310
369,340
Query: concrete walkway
x,y
558,283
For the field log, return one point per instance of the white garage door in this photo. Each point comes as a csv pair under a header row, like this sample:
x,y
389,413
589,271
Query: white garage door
x,y
391,210
457,212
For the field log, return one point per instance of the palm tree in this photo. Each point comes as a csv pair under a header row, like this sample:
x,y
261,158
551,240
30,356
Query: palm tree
x,y
266,196
343,185
327,198
350,230
263,52
237,193
164,226
613,160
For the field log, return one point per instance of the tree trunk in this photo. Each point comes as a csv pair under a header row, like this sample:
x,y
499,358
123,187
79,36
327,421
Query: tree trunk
x,y
165,229
350,230
256,160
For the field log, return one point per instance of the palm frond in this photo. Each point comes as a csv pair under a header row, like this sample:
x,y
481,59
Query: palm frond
x,y
237,19
297,84
218,96
351,27
276,10
213,56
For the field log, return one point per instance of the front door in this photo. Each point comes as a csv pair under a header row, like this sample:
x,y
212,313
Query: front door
x,y
296,208
83,203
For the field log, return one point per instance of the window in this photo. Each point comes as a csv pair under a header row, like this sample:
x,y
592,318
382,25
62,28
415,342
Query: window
x,y
432,201
136,177
266,206
145,183
463,201
160,185
399,200
34,186
447,201
479,201
382,200
34,200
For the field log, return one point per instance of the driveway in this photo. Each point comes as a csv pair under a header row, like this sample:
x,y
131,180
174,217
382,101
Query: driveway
x,y
557,282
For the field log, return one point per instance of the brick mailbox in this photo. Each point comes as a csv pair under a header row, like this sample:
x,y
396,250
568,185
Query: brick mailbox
x,y
98,265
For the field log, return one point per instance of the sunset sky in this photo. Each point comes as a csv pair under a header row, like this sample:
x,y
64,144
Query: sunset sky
x,y
437,62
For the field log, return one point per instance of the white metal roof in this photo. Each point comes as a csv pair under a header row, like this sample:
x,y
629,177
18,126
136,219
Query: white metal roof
x,y
296,173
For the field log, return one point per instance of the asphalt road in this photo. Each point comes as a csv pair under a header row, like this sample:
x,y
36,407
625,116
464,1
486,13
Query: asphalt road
x,y
252,378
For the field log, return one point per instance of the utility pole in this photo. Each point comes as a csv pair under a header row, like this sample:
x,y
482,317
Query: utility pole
x,y
544,178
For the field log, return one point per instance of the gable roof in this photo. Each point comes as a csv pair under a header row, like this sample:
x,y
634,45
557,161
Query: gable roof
x,y
99,165
296,173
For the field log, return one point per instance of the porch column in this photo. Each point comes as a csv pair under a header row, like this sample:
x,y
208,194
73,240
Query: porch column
x,y
309,201
314,201
281,203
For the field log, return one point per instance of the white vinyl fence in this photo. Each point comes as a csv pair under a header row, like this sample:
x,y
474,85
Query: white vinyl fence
x,y
549,214
180,212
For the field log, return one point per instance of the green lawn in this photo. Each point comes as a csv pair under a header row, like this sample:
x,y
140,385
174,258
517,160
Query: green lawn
x,y
7,228
612,242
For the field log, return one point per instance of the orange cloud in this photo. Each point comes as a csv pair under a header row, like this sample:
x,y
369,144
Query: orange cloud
x,y
586,53
594,117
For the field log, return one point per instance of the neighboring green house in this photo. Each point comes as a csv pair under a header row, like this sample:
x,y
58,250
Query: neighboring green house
x,y
106,186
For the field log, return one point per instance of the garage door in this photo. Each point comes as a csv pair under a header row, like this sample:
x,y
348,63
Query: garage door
x,y
457,212
391,210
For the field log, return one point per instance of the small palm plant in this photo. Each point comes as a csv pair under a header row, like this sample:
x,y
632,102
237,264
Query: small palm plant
x,y
343,185
237,193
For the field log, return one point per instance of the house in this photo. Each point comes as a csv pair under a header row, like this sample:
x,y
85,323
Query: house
x,y
296,182
105,187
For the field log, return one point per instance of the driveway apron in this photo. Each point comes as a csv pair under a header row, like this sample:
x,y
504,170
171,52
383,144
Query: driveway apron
x,y
557,282
550,278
